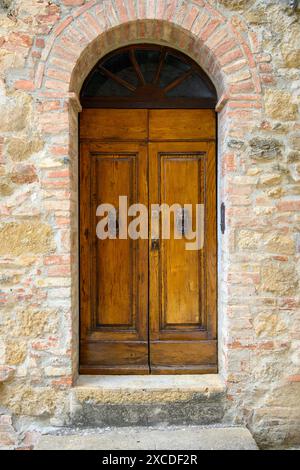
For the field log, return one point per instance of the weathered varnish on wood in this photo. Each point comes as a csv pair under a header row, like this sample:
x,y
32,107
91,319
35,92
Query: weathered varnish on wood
x,y
144,308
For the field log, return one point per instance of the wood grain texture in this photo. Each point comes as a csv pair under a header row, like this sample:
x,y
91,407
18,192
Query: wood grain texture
x,y
182,124
114,273
114,125
182,284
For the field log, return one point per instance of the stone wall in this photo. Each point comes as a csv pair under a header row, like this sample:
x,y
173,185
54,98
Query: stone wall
x,y
251,51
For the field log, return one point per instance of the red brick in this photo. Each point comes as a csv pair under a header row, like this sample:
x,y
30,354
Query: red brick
x,y
57,205
235,66
93,23
36,55
218,37
55,95
63,382
170,9
49,106
121,10
263,57
53,123
256,80
59,173
229,162
246,86
267,345
289,206
39,75
230,57
151,9
247,97
61,221
199,23
294,378
242,114
59,150
249,55
39,43
56,259
190,18
62,183
73,3
20,39
58,74
214,13
63,270
66,54
56,85
46,21
85,7
142,9
44,345
255,44
268,79
61,26
209,29
131,7
62,64
244,104
24,85
225,47
265,67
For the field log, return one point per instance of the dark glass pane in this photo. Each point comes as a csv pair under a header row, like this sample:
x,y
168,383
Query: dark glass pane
x,y
121,65
192,87
148,61
172,69
101,85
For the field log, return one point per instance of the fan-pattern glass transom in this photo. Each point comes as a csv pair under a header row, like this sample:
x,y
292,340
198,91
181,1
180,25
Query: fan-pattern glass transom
x,y
148,76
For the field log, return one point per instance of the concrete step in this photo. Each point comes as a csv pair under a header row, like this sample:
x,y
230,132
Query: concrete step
x,y
101,401
155,438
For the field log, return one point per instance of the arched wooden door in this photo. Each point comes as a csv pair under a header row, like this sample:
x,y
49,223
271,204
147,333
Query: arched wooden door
x,y
147,132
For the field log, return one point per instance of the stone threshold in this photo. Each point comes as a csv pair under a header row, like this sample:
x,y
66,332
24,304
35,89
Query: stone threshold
x,y
206,383
145,400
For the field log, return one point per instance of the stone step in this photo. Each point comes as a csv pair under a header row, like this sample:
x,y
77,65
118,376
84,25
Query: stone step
x,y
100,401
157,438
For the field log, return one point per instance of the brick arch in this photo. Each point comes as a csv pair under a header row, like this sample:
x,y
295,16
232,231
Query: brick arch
x,y
218,45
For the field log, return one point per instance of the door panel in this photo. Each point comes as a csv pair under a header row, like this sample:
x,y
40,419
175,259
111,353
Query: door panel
x,y
180,276
114,175
181,124
114,272
114,125
182,285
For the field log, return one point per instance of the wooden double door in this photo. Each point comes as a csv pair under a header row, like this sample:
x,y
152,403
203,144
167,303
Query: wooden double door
x,y
148,305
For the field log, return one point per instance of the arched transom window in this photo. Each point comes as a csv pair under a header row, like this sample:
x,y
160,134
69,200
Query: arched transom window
x,y
147,76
